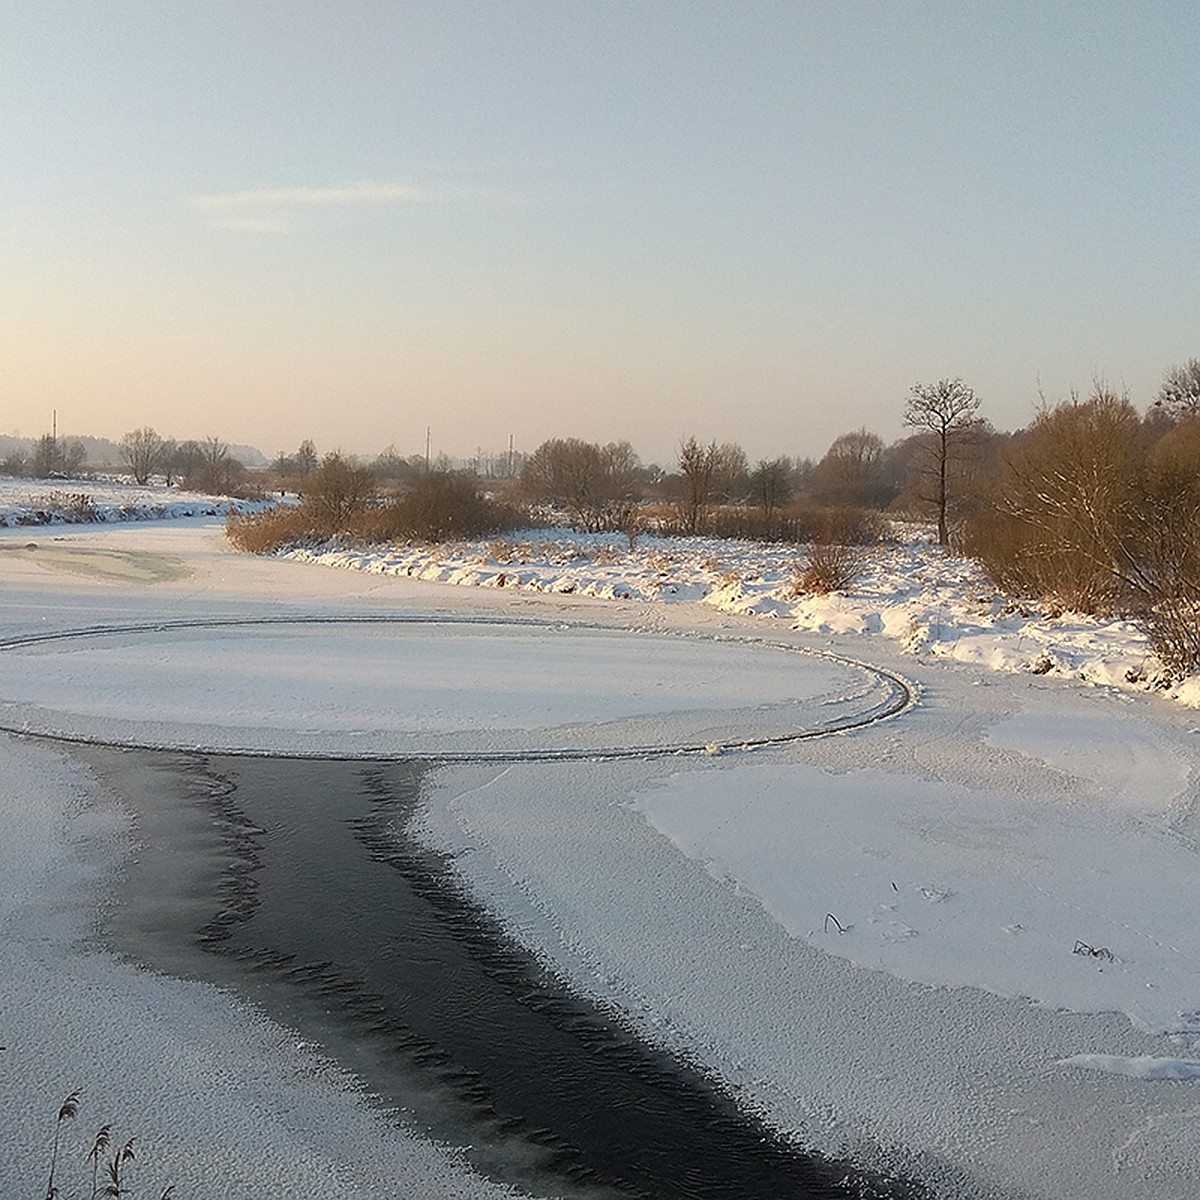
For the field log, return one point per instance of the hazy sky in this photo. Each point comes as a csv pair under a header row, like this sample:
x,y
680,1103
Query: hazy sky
x,y
353,219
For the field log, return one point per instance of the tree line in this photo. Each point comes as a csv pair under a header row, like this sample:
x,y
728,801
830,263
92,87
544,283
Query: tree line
x,y
206,465
1093,507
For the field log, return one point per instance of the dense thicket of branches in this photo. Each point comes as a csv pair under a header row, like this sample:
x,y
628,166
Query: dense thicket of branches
x,y
143,451
340,500
597,485
1093,511
1179,395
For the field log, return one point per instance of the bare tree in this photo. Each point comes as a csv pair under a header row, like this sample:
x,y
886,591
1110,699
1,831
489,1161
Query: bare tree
x,y
306,458
167,462
184,460
214,469
73,456
772,483
697,466
851,471
142,451
597,485
947,411
46,459
731,474
54,456
1179,395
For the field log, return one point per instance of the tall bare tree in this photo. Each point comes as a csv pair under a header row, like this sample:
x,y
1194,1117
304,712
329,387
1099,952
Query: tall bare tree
x,y
697,465
55,456
598,485
948,412
142,451
772,483
1179,395
184,459
306,458
214,469
731,474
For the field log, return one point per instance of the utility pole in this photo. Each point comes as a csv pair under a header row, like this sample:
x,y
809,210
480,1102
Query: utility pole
x,y
428,445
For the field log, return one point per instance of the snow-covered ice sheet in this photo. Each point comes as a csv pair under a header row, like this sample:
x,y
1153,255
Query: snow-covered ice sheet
x,y
943,884
950,1029
390,685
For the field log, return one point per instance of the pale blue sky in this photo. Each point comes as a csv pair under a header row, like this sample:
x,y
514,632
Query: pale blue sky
x,y
746,221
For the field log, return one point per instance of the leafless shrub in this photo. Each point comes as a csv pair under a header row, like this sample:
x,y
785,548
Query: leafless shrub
x,y
437,507
1172,626
797,523
1160,558
829,567
846,526
1086,515
336,491
1056,520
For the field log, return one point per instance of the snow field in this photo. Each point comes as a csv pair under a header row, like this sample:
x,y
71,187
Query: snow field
x,y
911,593
52,502
949,1030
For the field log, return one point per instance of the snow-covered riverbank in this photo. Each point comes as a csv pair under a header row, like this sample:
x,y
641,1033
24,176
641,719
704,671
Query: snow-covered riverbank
x,y
908,591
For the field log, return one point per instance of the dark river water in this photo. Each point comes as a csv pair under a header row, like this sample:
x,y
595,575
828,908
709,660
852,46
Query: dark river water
x,y
294,884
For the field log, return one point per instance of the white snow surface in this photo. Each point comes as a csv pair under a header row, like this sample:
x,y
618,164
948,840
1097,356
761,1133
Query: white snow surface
x,y
27,502
960,942
909,591
396,687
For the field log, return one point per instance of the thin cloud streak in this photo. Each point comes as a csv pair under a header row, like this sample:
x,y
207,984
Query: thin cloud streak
x,y
254,225
352,193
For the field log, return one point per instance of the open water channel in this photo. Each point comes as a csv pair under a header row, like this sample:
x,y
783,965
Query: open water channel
x,y
295,885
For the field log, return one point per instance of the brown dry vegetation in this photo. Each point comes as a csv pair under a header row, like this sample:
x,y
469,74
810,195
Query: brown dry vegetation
x,y
1097,511
829,567
795,523
340,500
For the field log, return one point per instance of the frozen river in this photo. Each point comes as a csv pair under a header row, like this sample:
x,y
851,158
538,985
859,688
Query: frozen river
x,y
867,938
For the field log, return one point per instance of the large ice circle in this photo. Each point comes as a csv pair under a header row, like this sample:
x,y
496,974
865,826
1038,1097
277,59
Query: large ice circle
x,y
427,687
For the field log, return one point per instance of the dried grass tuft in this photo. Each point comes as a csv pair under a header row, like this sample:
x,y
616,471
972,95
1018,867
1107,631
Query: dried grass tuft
x,y
829,567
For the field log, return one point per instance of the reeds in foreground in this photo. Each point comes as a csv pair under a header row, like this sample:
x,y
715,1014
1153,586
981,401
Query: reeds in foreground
x,y
113,1180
